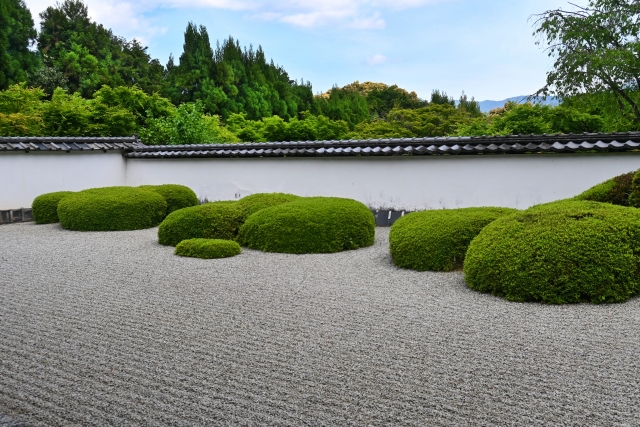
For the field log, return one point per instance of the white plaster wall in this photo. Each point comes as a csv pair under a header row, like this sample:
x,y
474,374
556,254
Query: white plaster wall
x,y
24,176
517,181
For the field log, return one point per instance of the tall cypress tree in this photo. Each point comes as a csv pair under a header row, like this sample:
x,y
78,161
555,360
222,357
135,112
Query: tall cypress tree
x,y
17,34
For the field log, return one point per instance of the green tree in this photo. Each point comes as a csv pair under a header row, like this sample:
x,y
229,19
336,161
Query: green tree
x,y
17,34
596,50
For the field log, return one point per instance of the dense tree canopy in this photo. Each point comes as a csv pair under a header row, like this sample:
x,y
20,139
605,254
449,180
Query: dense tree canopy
x,y
596,50
17,35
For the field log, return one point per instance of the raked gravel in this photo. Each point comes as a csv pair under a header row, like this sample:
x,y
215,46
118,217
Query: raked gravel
x,y
113,329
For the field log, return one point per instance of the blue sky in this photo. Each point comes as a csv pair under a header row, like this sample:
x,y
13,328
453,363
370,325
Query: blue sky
x,y
482,47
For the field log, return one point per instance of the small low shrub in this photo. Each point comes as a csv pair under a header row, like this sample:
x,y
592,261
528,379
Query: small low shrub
x,y
217,220
437,240
310,225
111,209
615,191
255,202
45,207
634,197
176,196
208,248
558,253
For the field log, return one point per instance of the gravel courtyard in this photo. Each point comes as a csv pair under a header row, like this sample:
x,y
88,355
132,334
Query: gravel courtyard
x,y
113,329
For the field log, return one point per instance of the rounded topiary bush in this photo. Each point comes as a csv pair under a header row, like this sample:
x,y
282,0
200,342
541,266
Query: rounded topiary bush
x,y
615,190
111,209
310,225
437,240
217,220
559,253
176,196
45,207
255,202
208,248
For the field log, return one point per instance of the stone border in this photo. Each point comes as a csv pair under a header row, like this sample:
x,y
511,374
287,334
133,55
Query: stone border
x,y
16,215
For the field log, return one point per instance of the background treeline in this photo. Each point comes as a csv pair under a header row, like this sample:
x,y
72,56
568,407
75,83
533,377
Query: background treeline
x,y
75,77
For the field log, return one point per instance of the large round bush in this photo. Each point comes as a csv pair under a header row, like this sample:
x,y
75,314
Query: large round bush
x,y
217,220
208,248
310,225
176,196
559,253
45,207
111,209
255,202
437,240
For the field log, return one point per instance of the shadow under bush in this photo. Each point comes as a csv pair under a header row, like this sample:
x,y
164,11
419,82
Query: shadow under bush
x,y
176,196
558,253
310,225
437,240
217,220
207,248
45,207
111,209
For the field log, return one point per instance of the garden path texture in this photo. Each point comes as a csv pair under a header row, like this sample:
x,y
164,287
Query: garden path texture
x,y
113,329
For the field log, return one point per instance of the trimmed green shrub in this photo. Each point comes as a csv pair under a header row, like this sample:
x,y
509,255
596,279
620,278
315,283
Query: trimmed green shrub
x,y
558,253
615,190
310,225
217,220
111,209
208,248
437,240
255,202
176,196
45,207
634,197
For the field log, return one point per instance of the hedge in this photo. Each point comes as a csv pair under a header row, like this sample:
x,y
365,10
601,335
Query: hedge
x,y
208,248
176,196
217,220
310,225
256,202
558,253
437,240
615,191
45,207
111,209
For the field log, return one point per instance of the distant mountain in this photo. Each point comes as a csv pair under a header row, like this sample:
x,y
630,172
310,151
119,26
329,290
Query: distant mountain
x,y
486,106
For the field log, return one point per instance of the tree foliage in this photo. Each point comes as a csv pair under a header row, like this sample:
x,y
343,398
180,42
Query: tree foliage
x,y
17,35
596,50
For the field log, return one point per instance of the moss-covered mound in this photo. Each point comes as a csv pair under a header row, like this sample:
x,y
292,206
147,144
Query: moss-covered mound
x,y
255,202
176,196
310,225
559,253
45,207
615,191
111,209
437,240
217,220
208,248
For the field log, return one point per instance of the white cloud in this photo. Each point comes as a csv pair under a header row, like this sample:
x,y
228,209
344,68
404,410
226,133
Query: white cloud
x,y
377,59
129,18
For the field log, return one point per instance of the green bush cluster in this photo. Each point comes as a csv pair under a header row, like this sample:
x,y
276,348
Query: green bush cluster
x,y
437,240
217,220
310,225
176,196
208,248
256,202
45,207
111,209
616,191
565,252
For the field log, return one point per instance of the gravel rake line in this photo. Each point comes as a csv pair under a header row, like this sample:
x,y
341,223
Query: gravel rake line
x,y
277,339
